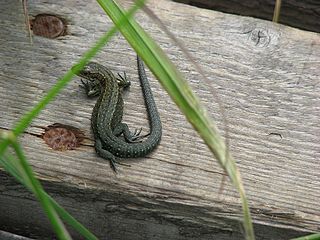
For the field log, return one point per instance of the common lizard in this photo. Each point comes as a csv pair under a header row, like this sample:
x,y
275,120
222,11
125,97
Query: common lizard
x,y
106,121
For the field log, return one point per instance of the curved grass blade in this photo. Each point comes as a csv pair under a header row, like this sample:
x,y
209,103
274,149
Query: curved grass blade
x,y
181,94
315,236
11,165
37,189
22,171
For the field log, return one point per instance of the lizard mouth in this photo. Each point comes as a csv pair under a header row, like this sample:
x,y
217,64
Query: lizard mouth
x,y
85,71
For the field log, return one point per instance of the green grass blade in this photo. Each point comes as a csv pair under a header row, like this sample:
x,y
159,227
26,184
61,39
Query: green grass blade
x,y
71,220
22,171
315,236
182,95
26,120
8,163
11,165
35,185
29,116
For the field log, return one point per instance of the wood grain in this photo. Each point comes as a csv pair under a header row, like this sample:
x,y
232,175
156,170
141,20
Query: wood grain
x,y
266,75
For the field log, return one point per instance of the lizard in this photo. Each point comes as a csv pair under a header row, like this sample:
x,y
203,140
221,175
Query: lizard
x,y
106,120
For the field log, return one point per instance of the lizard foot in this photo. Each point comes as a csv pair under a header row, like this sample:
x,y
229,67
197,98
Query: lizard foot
x,y
92,89
136,137
123,80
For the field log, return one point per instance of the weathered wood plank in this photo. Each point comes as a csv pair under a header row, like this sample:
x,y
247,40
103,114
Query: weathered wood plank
x,y
265,74
9,236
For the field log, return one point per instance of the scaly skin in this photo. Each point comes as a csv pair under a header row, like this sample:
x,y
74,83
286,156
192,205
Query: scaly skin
x,y
107,114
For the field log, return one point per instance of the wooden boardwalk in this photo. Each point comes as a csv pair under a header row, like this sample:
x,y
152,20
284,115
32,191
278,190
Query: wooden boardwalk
x,y
267,76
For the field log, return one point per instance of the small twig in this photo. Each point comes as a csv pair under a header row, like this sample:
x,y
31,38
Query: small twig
x,y
276,12
26,19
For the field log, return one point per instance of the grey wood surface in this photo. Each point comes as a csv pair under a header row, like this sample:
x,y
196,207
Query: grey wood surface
x,y
10,236
267,76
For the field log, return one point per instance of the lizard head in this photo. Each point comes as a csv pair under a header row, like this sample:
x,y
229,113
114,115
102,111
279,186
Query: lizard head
x,y
90,71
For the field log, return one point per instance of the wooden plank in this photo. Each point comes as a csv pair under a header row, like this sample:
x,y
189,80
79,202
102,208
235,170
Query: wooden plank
x,y
265,74
9,236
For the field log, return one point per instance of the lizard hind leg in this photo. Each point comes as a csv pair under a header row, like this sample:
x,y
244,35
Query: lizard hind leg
x,y
130,137
108,155
123,80
105,154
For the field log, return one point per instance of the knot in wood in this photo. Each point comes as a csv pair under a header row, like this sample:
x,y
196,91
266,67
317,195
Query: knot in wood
x,y
62,137
260,37
48,26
